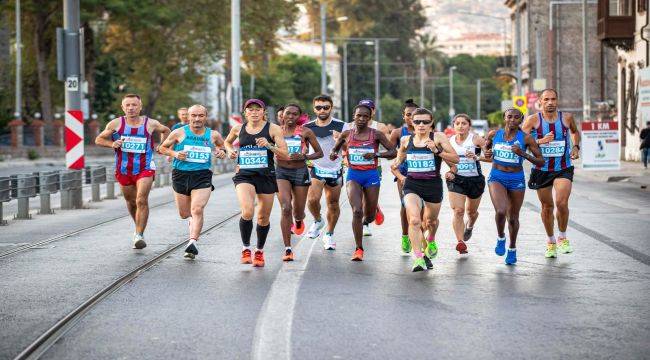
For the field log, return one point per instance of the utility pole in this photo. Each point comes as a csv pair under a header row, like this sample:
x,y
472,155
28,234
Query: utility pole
x,y
346,105
586,101
323,37
518,46
19,63
478,98
538,54
452,111
422,79
235,57
377,85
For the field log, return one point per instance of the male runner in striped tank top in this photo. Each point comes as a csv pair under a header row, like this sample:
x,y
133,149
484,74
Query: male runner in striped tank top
x,y
558,137
131,136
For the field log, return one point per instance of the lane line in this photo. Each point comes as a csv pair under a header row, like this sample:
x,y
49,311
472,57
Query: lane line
x,y
616,245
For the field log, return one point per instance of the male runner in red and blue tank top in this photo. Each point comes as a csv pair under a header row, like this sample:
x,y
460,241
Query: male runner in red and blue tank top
x,y
558,138
131,136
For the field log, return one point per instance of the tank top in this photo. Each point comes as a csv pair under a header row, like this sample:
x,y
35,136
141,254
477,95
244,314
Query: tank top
x,y
502,149
557,153
466,166
422,163
324,167
403,132
199,151
136,153
295,142
253,159
357,148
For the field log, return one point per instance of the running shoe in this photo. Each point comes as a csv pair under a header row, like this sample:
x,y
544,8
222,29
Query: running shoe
x,y
511,258
366,230
564,246
500,249
246,256
379,216
328,242
288,255
551,250
138,242
298,230
315,228
191,251
406,244
419,265
461,247
428,262
358,255
431,251
467,234
258,260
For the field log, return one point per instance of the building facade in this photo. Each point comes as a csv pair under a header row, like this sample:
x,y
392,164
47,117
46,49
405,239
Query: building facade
x,y
475,44
551,49
622,25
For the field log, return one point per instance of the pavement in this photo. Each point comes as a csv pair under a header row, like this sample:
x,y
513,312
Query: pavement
x,y
592,303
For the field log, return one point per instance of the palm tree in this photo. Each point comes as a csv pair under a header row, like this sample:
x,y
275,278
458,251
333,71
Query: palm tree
x,y
426,47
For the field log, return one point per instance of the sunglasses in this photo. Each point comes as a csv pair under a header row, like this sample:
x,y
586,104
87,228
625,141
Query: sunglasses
x,y
422,122
324,107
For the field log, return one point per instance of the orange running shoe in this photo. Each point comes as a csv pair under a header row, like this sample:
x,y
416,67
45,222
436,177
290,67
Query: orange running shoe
x,y
461,247
258,261
288,255
246,257
358,255
298,230
379,216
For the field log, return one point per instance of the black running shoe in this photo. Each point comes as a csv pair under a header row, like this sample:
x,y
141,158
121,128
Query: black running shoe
x,y
468,234
428,262
191,251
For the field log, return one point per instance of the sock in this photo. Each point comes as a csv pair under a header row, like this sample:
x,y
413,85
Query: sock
x,y
246,229
360,248
365,223
501,238
287,248
262,233
512,249
298,223
562,235
405,237
431,238
192,241
246,248
418,254
551,239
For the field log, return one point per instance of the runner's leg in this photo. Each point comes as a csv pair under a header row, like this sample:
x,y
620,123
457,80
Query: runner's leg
x,y
332,196
284,197
457,202
516,199
545,196
143,186
199,198
355,196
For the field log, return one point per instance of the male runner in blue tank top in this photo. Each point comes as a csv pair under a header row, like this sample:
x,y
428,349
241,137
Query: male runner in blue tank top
x,y
192,147
558,138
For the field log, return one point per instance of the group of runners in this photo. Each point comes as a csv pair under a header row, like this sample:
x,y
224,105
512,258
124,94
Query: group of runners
x,y
299,162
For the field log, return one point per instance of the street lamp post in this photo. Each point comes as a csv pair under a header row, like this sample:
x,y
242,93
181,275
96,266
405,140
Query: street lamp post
x,y
19,50
345,82
323,29
377,84
235,56
452,111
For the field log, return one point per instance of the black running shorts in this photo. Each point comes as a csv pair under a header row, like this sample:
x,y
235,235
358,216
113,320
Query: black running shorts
x,y
540,179
297,177
263,183
429,190
470,186
183,182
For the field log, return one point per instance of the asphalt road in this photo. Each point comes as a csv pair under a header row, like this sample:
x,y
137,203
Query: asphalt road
x,y
593,303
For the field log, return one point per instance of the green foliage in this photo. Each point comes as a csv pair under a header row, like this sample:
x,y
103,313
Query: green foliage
x,y
32,154
392,109
495,119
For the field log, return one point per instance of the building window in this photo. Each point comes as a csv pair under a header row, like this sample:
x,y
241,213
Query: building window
x,y
642,5
622,7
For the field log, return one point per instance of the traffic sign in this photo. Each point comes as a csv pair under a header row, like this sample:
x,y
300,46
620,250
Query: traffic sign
x,y
520,103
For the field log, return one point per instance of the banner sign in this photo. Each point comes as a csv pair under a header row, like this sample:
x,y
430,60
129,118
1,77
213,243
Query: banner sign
x,y
600,146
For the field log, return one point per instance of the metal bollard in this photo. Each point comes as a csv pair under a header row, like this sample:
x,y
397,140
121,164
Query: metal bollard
x,y
166,175
77,190
97,177
48,184
110,185
71,189
25,187
5,195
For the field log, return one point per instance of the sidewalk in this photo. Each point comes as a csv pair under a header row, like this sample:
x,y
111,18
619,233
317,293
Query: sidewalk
x,y
630,171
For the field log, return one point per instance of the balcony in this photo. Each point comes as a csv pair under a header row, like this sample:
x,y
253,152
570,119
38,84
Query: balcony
x,y
616,23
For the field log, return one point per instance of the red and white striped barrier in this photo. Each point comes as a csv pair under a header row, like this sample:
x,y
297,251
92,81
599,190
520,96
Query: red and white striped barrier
x,y
74,136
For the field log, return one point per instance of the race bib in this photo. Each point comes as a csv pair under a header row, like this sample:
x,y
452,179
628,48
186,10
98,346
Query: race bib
x,y
467,167
553,149
134,144
326,173
294,145
356,156
197,154
421,162
254,158
503,152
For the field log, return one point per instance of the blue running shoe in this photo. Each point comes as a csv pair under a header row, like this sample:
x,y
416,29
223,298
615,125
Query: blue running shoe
x,y
511,258
500,249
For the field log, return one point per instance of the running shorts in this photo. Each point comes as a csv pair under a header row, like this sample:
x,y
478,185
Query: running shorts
x,y
512,181
365,178
540,179
297,177
263,183
183,182
329,181
470,186
429,190
128,180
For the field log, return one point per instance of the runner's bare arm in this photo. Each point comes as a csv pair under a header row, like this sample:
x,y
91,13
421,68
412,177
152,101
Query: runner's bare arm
x,y
339,144
390,152
217,140
395,136
230,139
280,147
575,136
529,123
105,138
537,157
481,142
383,128
155,125
399,159
313,142
448,154
166,147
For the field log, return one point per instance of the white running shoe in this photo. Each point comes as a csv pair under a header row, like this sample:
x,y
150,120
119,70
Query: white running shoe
x,y
138,242
328,242
315,229
366,230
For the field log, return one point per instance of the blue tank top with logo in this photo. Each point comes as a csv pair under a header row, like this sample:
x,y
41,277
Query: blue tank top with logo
x,y
502,149
199,151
